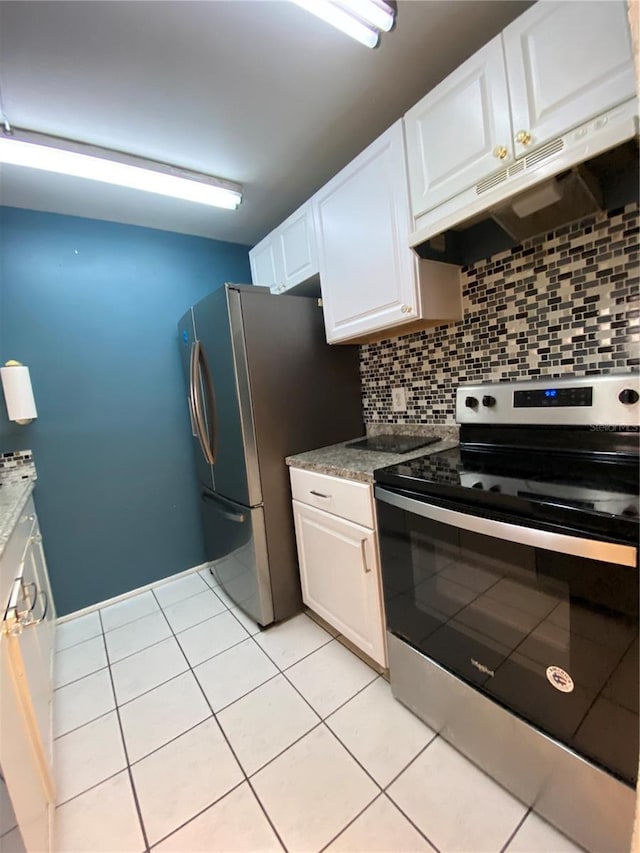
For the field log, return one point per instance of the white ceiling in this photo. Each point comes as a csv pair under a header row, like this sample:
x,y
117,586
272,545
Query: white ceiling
x,y
261,93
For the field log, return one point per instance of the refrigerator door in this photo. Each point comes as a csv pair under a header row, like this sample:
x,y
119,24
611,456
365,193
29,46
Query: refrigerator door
x,y
187,353
227,402
235,545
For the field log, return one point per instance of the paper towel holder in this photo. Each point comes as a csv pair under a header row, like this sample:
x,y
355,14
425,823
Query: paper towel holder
x,y
18,393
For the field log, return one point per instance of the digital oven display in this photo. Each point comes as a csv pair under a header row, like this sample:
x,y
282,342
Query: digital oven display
x,y
543,398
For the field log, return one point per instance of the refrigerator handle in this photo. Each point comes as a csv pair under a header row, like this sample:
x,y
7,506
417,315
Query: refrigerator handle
x,y
196,401
225,513
210,438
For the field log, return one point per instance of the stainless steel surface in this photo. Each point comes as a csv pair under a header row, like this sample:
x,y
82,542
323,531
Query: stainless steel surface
x,y
191,416
187,337
304,394
195,388
606,552
606,409
279,389
243,392
235,543
205,391
581,800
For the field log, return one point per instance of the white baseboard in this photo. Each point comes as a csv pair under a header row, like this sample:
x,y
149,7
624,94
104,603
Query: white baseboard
x,y
93,607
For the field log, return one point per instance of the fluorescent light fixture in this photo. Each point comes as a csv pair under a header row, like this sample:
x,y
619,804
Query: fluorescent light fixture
x,y
378,15
360,19
52,154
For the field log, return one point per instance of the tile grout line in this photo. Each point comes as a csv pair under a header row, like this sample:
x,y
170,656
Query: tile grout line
x,y
516,830
105,631
352,821
248,778
224,735
199,814
126,751
415,758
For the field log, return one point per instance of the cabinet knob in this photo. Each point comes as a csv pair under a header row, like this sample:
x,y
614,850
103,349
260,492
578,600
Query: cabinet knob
x,y
36,538
406,309
523,137
500,152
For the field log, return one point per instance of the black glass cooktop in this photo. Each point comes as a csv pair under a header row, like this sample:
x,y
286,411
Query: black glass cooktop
x,y
393,443
596,494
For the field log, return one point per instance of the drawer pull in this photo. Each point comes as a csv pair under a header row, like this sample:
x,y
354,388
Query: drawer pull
x,y
320,495
363,546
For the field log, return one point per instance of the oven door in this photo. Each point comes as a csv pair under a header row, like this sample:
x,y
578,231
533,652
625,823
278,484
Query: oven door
x,y
546,624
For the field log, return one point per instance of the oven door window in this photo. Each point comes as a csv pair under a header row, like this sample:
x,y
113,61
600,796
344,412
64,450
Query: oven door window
x,y
549,636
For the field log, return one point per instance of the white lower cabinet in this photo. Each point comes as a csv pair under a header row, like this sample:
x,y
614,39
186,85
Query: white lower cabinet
x,y
26,688
339,564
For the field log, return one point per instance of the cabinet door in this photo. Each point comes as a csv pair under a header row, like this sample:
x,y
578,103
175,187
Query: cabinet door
x,y
297,241
340,576
265,260
457,133
566,63
20,757
368,274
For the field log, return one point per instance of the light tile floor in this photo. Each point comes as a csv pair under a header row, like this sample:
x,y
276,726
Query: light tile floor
x,y
181,726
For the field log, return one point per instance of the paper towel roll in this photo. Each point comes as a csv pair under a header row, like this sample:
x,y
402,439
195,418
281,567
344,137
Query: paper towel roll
x,y
18,394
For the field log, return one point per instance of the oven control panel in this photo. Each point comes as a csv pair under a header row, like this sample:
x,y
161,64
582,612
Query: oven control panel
x,y
597,401
545,397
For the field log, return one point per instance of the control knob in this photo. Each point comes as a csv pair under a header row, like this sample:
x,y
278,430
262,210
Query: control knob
x,y
628,396
471,403
488,400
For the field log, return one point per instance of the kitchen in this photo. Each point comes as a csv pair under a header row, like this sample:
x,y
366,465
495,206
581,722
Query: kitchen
x,y
108,471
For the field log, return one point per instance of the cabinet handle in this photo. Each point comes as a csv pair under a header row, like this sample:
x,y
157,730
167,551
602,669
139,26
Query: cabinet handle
x,y
500,152
28,518
523,137
406,309
320,495
363,548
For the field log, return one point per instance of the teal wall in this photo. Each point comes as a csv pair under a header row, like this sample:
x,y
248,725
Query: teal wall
x,y
92,307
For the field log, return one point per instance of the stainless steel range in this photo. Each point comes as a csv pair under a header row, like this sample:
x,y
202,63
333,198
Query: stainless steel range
x,y
510,575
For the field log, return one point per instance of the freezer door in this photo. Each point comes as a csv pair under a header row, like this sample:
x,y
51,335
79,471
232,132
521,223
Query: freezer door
x,y
187,354
227,402
236,548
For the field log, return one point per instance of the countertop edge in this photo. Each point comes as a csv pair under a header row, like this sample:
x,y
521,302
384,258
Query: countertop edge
x,y
10,518
353,464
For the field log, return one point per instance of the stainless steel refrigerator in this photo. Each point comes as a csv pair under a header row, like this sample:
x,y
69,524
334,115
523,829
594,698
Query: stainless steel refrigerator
x,y
262,384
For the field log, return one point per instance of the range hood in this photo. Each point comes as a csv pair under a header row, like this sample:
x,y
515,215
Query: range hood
x,y
590,169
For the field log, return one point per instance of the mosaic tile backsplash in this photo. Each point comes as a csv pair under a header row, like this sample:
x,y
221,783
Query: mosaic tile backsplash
x,y
17,465
564,303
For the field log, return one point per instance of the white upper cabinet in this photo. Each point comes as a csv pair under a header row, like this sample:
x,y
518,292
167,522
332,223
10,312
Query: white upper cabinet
x,y
554,69
567,62
297,239
460,131
369,277
287,256
266,263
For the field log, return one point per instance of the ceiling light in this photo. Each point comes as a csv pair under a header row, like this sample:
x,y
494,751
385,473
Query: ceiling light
x,y
379,15
51,154
361,19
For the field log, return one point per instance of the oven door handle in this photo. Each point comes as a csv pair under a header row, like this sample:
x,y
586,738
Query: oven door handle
x,y
592,549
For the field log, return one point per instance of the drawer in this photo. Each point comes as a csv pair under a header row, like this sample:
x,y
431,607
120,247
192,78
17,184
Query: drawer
x,y
346,498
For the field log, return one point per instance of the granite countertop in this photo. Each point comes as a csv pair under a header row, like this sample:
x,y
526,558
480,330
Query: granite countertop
x,y
14,494
337,460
